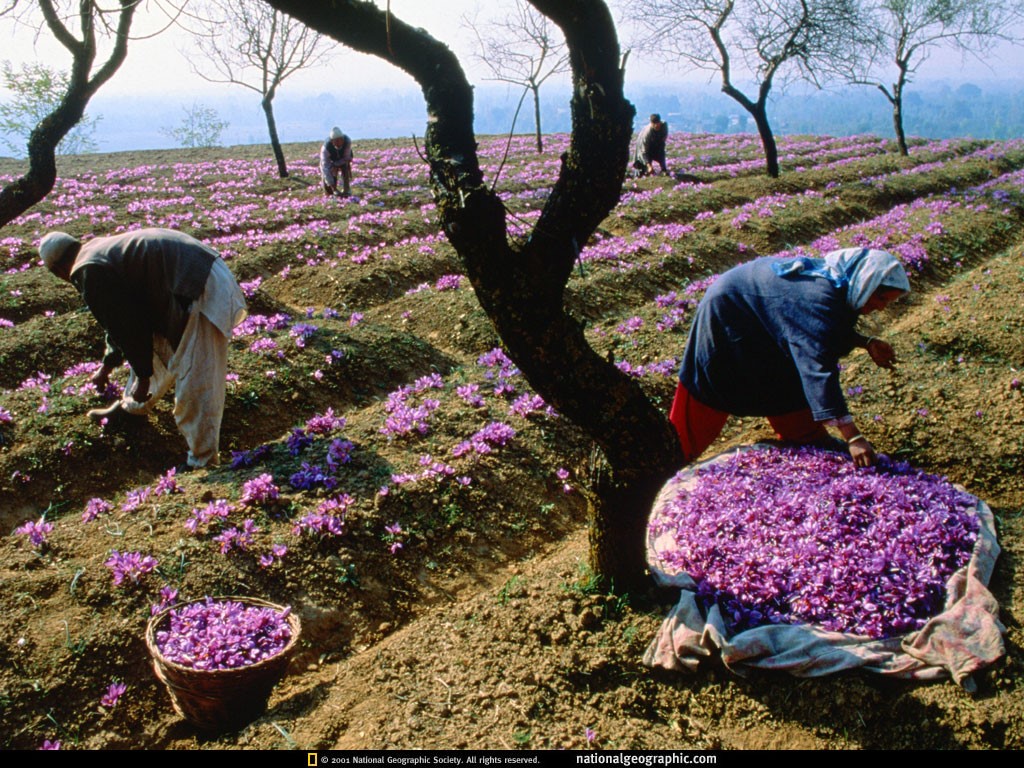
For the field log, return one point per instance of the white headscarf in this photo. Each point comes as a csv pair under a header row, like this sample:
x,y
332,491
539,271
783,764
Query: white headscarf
x,y
862,271
54,247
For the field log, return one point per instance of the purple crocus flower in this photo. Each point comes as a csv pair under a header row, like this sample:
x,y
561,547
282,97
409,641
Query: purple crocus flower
x,y
225,634
129,565
36,531
113,694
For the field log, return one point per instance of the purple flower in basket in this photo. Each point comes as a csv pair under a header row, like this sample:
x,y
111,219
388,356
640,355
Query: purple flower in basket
x,y
803,536
223,634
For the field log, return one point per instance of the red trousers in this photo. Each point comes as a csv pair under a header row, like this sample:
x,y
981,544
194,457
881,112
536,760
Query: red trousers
x,y
698,425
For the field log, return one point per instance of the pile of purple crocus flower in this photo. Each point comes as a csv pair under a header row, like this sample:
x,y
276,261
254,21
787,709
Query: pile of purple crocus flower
x,y
223,634
802,536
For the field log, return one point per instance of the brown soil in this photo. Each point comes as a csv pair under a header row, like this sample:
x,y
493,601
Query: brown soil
x,y
487,630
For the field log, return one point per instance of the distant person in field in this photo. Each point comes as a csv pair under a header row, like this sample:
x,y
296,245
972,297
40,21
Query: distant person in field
x,y
168,304
336,163
650,147
766,341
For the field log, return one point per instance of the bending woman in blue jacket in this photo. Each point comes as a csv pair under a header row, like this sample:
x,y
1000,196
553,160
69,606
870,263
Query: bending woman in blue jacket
x,y
766,341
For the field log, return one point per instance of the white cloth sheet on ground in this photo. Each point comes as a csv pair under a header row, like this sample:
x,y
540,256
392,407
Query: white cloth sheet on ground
x,y
963,638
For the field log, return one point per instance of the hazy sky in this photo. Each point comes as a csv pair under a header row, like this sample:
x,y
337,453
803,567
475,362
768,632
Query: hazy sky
x,y
157,65
157,73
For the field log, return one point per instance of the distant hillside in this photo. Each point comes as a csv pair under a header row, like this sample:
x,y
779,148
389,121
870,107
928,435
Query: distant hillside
x,y
990,109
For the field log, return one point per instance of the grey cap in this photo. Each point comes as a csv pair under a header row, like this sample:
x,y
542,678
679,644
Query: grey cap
x,y
55,247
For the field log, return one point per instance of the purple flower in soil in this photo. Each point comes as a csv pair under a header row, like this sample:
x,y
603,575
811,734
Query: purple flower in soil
x,y
630,326
298,441
136,498
1015,384
448,282
563,475
339,452
310,476
50,745
589,734
392,536
168,597
6,417
225,634
94,508
301,332
242,459
468,393
500,370
237,538
114,692
215,509
526,404
263,345
249,288
36,531
430,381
276,554
167,484
355,319
129,565
328,520
259,490
325,423
494,434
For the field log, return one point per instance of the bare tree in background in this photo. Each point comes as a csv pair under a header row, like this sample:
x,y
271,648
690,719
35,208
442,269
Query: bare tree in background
x,y
907,31
770,41
248,43
92,23
523,49
520,282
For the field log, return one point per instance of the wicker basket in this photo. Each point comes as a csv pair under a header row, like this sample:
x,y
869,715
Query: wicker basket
x,y
223,699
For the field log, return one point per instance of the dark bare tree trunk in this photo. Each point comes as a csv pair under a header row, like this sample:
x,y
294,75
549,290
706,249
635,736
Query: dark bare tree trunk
x,y
520,285
759,111
275,143
895,98
536,117
771,149
36,183
897,124
27,190
897,111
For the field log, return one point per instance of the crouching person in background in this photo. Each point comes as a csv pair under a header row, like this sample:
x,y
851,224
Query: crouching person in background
x,y
336,163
